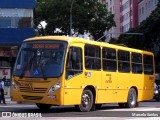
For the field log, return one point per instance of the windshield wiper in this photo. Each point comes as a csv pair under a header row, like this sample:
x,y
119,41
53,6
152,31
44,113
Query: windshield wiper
x,y
41,67
43,72
22,74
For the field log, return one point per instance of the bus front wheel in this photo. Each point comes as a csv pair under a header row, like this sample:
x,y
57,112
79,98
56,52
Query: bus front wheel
x,y
43,106
86,101
132,98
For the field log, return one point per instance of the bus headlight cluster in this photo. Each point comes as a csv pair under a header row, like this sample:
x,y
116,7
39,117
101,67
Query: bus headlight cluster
x,y
14,85
55,87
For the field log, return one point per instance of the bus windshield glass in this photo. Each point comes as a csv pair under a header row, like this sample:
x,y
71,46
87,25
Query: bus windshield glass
x,y
40,59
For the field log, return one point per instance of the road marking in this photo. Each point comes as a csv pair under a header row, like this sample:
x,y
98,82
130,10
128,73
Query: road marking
x,y
149,118
134,109
151,109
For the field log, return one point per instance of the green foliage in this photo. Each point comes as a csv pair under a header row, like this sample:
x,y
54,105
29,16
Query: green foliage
x,y
87,15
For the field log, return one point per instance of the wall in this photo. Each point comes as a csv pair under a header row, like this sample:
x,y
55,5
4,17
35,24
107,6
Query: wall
x,y
16,21
14,36
29,4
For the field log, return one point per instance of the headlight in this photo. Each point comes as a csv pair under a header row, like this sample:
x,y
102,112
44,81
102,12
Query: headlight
x,y
156,92
55,87
14,85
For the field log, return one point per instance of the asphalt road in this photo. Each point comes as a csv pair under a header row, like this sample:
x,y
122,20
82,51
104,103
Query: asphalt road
x,y
146,110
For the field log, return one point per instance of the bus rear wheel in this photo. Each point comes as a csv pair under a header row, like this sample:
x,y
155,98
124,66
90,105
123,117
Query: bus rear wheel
x,y
132,99
86,101
43,106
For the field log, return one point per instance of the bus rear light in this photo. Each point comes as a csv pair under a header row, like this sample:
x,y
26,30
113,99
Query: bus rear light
x,y
55,87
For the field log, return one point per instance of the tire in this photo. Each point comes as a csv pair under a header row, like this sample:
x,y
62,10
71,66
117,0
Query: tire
x,y
43,106
86,101
132,99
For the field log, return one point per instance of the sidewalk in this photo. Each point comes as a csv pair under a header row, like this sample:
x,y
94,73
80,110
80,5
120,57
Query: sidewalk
x,y
8,101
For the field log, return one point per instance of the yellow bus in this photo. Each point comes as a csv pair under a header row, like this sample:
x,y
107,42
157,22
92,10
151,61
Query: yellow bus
x,y
61,70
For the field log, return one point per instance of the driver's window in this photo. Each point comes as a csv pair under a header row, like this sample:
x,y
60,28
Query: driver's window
x,y
74,62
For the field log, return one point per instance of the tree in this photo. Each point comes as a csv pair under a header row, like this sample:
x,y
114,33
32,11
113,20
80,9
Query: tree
x,y
87,15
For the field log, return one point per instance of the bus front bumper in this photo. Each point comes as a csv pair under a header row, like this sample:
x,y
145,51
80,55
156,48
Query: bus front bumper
x,y
46,98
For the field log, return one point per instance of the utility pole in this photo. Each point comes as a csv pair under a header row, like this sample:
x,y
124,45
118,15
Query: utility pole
x,y
71,18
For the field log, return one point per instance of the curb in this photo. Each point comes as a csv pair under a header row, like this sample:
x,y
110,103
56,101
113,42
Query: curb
x,y
8,101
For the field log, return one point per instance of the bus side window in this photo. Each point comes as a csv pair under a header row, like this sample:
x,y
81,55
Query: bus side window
x,y
136,63
123,61
74,62
109,59
148,64
92,57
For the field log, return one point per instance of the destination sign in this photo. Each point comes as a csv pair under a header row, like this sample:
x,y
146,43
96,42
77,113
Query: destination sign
x,y
48,46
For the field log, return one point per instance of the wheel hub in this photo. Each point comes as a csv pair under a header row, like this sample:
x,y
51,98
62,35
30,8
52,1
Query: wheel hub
x,y
85,99
132,98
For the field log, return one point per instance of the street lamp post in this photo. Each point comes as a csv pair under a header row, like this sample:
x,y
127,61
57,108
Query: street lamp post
x,y
119,33
71,18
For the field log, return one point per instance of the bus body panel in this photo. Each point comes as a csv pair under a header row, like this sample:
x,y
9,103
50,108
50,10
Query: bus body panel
x,y
148,88
123,86
73,89
137,81
109,87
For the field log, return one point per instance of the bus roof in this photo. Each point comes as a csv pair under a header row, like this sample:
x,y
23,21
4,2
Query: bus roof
x,y
82,40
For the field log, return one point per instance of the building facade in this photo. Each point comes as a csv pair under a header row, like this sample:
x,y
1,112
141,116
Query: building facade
x,y
145,8
128,14
16,24
114,7
125,16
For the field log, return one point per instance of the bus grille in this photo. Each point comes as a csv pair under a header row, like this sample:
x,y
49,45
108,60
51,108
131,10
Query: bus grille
x,y
33,90
32,97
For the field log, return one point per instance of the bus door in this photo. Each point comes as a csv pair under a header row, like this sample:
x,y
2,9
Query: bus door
x,y
73,76
109,74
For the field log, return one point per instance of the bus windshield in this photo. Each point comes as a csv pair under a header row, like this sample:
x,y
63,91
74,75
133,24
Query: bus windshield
x,y
40,59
